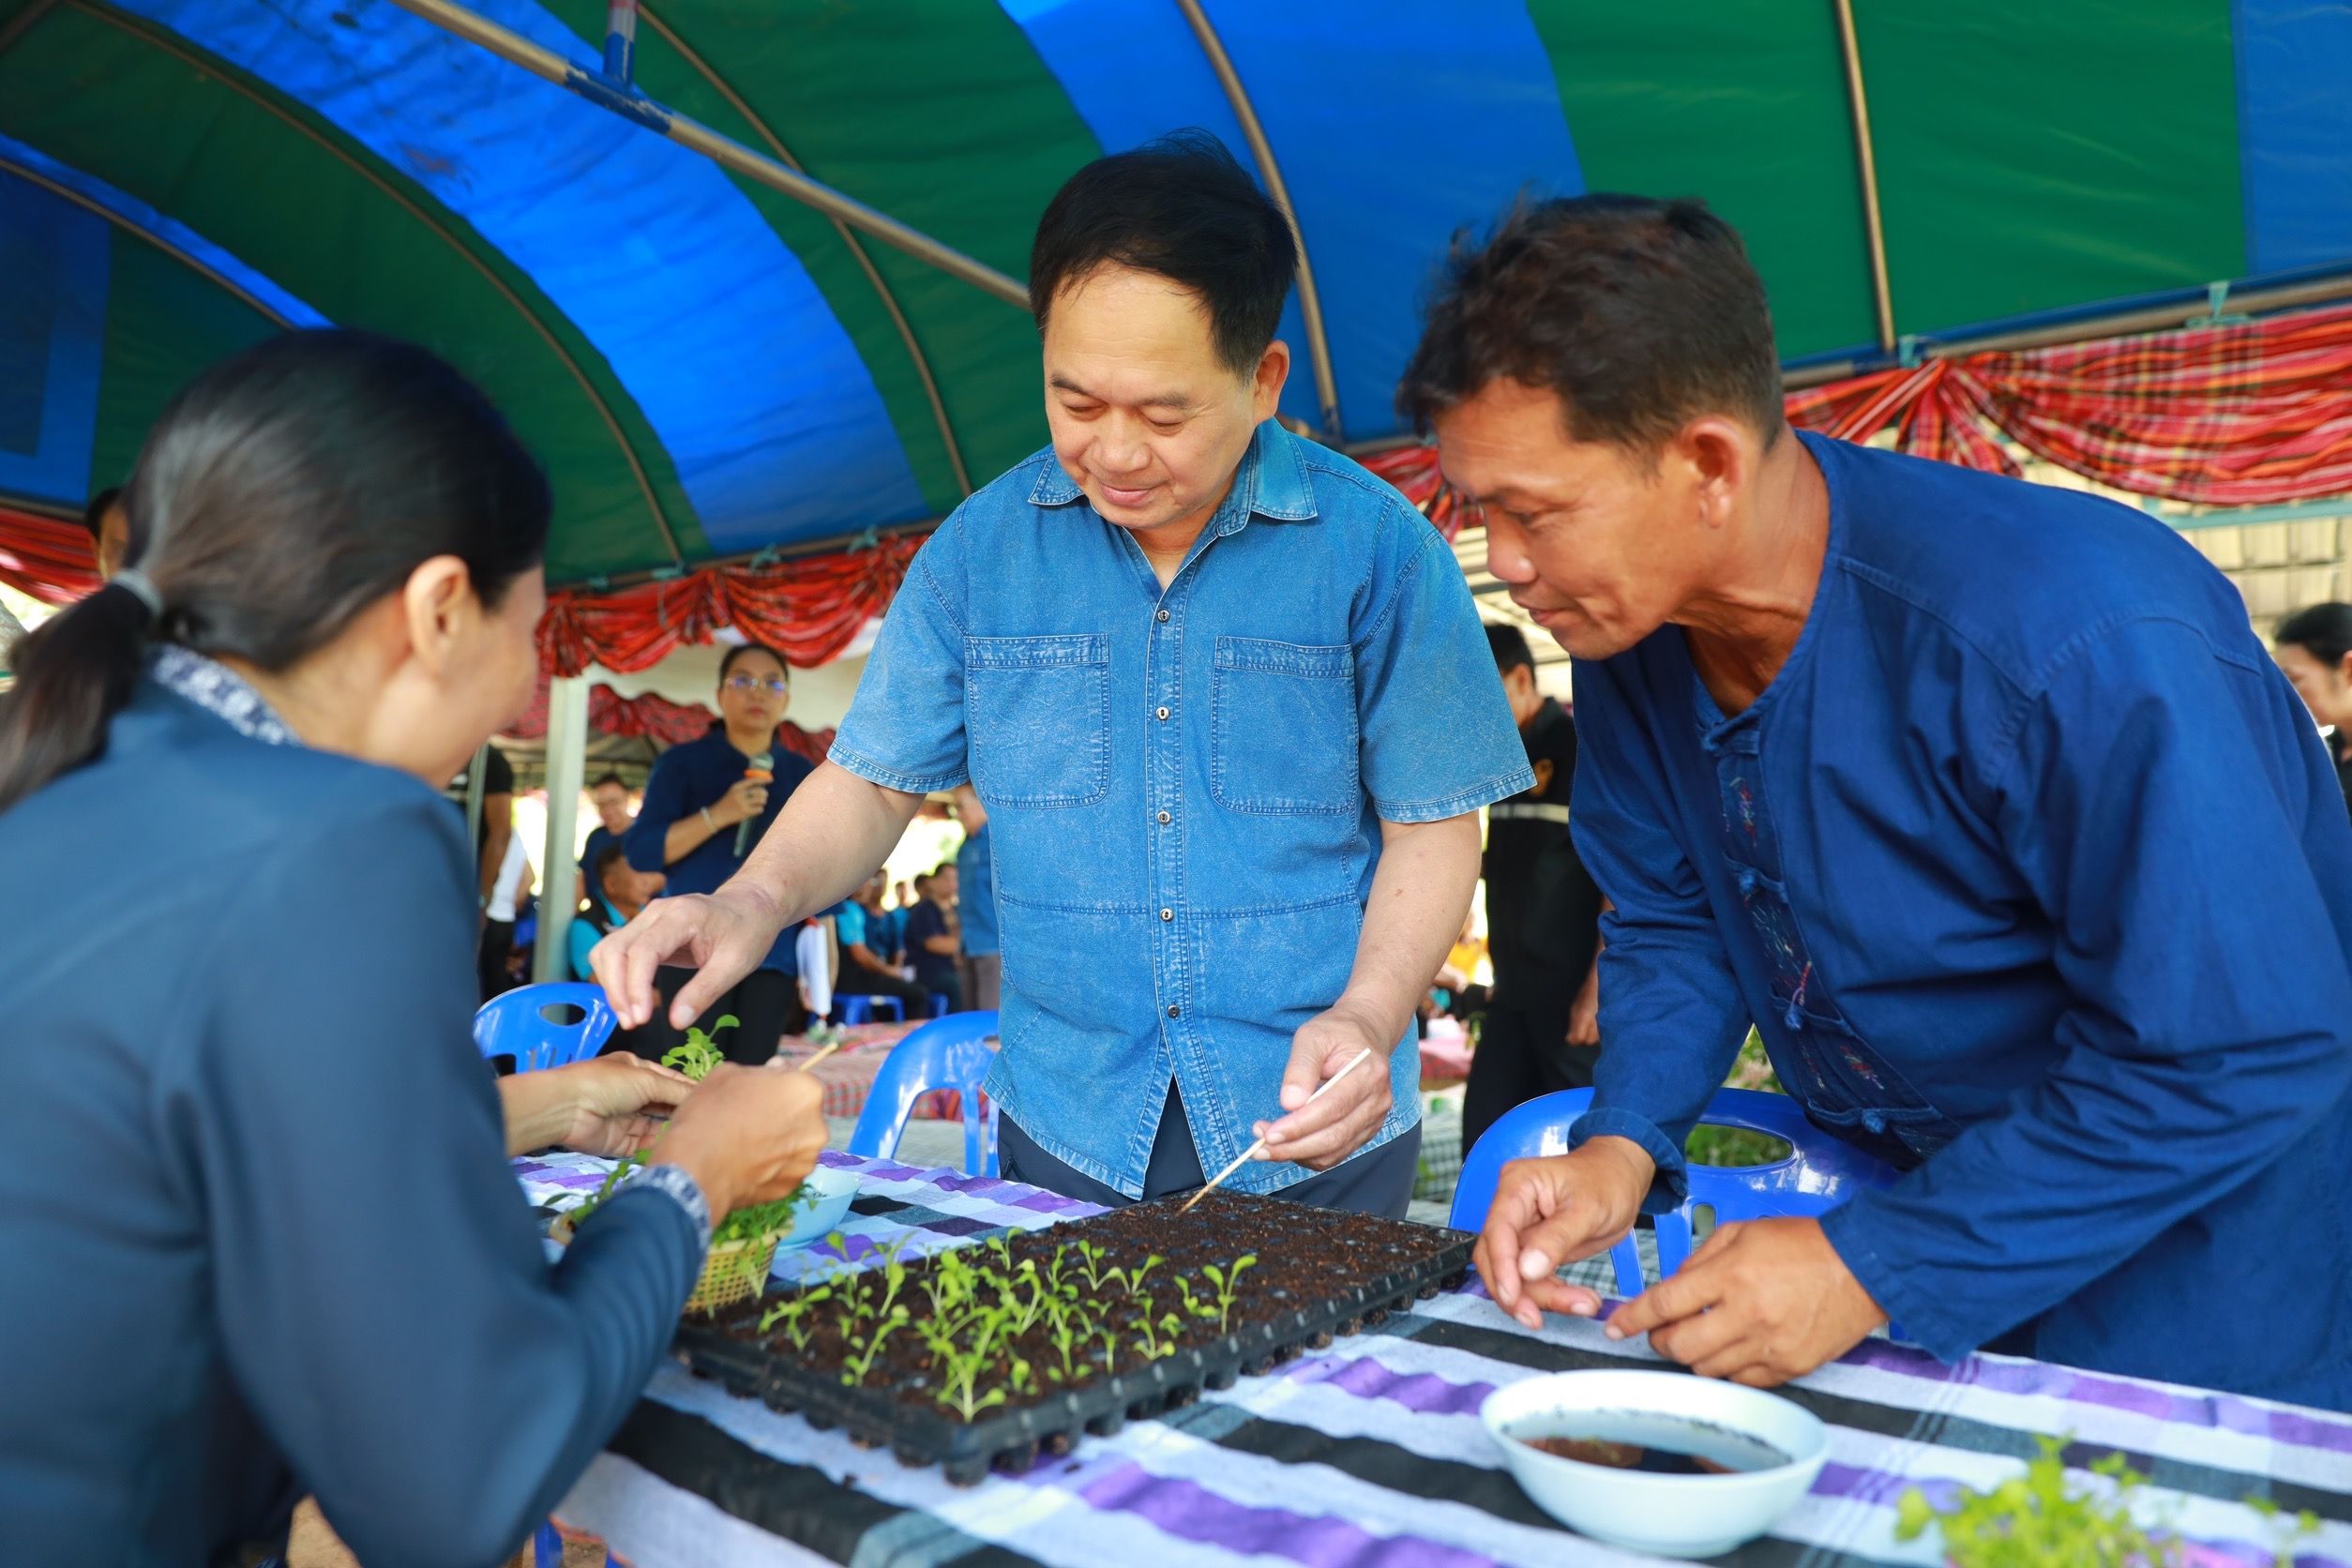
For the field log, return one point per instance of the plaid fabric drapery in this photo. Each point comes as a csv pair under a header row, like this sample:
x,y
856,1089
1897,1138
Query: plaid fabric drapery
x,y
808,610
2237,415
46,558
656,718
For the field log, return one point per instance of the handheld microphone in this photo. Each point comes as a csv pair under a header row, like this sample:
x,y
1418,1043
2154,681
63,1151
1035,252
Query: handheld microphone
x,y
764,769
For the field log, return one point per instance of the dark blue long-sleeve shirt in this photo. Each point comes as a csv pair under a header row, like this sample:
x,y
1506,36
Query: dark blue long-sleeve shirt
x,y
696,775
2033,873
260,1235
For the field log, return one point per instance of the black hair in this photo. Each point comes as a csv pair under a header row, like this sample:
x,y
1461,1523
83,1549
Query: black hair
x,y
1182,207
1508,643
2323,631
93,512
742,648
1641,314
608,778
281,493
606,854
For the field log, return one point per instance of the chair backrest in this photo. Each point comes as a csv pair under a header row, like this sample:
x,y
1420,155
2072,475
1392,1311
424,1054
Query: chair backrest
x,y
1818,1173
534,1024
946,1054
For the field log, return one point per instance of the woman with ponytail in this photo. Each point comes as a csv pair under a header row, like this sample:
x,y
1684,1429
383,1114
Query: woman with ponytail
x,y
258,1231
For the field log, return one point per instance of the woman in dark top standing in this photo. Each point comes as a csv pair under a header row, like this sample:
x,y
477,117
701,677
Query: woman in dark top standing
x,y
705,806
260,1230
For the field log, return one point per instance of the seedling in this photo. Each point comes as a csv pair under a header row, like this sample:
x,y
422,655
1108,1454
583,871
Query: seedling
x,y
1227,1282
1092,1256
698,1053
2035,1521
794,1312
853,1369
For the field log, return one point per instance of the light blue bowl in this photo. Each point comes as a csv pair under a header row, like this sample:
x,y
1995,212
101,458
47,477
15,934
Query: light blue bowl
x,y
834,1191
1665,1515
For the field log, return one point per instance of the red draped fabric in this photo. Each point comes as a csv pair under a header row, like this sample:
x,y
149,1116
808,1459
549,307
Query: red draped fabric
x,y
46,558
2241,414
809,611
1414,471
658,718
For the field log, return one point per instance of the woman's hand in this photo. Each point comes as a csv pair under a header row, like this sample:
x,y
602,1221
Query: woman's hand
x,y
743,802
621,1103
750,1135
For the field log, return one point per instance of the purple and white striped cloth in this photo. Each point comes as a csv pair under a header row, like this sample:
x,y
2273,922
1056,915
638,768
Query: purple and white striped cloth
x,y
1371,1454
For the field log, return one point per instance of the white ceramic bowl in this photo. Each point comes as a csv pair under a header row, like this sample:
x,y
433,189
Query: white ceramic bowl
x,y
834,1191
1669,1516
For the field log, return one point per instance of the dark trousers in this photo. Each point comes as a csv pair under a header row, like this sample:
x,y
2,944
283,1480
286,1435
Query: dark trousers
x,y
765,1003
947,983
867,982
491,954
1520,1055
1377,1182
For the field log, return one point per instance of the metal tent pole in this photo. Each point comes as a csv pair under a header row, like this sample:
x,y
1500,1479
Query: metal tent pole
x,y
1261,150
624,101
559,881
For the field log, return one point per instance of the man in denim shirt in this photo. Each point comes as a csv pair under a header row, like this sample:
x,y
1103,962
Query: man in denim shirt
x,y
1225,699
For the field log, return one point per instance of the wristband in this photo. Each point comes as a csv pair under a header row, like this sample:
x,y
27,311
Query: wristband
x,y
681,1189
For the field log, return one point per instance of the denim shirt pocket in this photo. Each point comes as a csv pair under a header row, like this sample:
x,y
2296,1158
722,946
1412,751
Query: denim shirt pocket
x,y
1282,735
1037,710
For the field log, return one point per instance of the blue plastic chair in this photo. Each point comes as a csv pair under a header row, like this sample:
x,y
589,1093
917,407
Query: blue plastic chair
x,y
1818,1173
516,1023
859,1008
939,1003
946,1053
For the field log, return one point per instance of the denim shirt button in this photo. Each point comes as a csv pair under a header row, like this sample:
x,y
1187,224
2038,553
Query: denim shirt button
x,y
1163,615
1174,1011
1167,915
1164,819
1161,712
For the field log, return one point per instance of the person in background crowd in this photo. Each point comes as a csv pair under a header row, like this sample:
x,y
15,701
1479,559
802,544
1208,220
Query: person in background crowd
x,y
509,892
2315,647
617,892
496,829
935,938
705,810
227,761
108,519
983,967
1543,918
615,808
869,965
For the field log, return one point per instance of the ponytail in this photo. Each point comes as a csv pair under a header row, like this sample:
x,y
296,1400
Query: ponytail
x,y
73,674
280,494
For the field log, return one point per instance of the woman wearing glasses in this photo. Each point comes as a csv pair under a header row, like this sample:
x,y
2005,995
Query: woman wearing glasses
x,y
706,805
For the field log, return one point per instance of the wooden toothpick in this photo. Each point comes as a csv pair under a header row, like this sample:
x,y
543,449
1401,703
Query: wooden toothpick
x,y
820,1056
1249,1152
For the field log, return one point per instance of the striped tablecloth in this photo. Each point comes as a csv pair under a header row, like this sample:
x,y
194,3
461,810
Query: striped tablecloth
x,y
1370,1453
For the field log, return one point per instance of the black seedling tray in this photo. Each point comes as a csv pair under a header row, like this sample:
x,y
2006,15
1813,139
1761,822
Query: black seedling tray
x,y
1363,1268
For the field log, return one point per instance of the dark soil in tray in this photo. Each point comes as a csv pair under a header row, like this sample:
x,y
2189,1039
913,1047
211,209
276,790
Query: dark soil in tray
x,y
1316,1274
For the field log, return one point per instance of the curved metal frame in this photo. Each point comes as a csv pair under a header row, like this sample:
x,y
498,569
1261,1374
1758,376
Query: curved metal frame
x,y
725,152
1866,164
1310,302
193,58
849,238
192,263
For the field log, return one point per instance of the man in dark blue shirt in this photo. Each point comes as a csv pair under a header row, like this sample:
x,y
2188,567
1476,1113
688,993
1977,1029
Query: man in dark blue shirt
x,y
706,805
934,937
1981,799
609,795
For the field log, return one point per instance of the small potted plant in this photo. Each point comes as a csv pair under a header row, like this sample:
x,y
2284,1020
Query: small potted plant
x,y
744,1243
2038,1520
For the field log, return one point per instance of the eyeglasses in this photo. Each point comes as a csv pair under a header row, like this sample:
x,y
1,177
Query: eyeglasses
x,y
776,684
